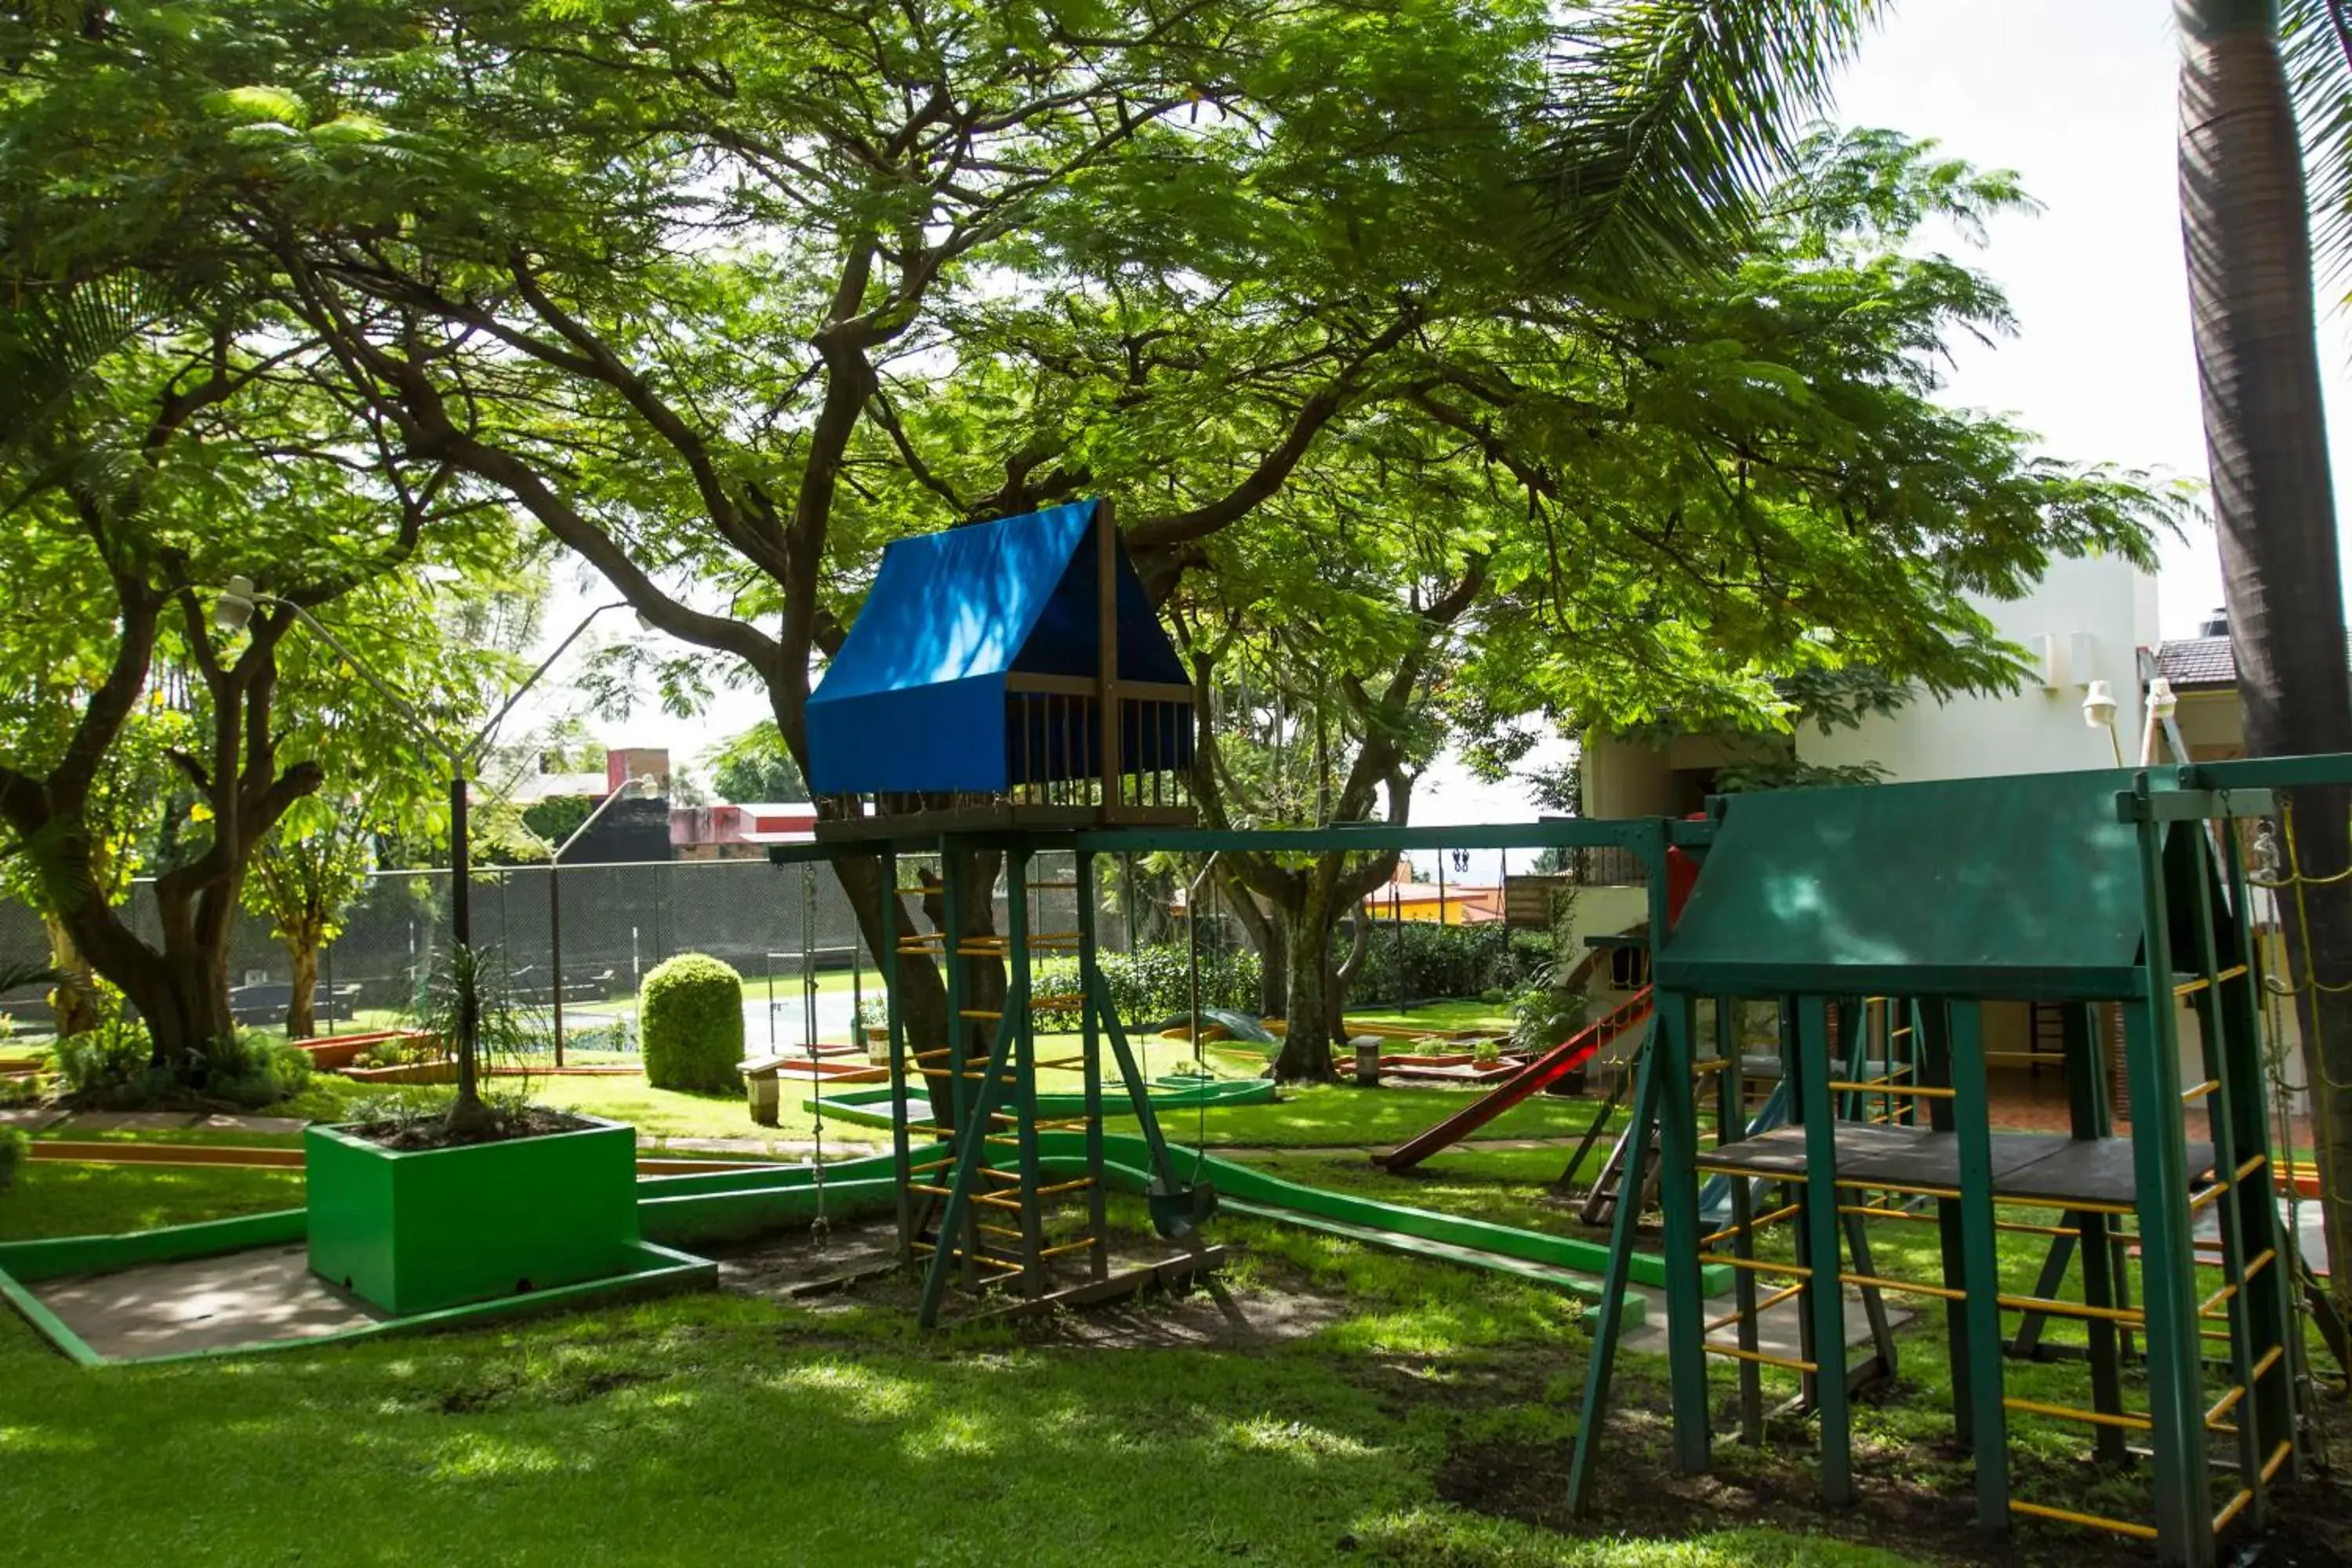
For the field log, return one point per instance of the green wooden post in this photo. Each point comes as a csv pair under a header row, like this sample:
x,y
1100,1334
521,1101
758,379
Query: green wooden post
x,y
1980,1255
1934,1023
1678,1197
2215,1047
2087,1095
1824,1297
2159,1167
895,1035
1732,1115
2269,1294
1090,1061
1622,1229
1023,1057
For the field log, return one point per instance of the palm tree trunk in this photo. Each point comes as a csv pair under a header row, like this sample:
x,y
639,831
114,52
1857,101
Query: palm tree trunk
x,y
2245,221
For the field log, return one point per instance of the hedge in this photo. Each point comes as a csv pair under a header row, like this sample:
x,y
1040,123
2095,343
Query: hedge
x,y
1148,986
1440,961
690,1022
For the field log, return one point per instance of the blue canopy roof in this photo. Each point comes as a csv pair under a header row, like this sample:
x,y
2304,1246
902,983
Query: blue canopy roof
x,y
917,699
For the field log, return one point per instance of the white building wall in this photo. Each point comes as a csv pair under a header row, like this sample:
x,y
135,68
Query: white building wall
x,y
2086,620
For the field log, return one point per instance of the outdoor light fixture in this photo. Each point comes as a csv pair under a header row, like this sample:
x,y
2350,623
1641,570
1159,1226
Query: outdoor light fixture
x,y
234,608
2099,713
2161,705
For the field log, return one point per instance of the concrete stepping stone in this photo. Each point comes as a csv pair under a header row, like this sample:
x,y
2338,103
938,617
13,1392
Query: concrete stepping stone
x,y
275,1124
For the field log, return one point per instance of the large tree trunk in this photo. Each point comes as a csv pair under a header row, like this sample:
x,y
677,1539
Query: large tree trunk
x,y
1311,1008
1267,938
73,1000
2245,221
302,956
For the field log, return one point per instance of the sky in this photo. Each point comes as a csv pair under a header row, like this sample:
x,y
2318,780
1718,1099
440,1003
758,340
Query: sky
x,y
2077,96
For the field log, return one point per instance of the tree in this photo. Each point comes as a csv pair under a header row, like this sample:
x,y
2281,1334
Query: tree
x,y
2245,222
313,864
1209,259
755,765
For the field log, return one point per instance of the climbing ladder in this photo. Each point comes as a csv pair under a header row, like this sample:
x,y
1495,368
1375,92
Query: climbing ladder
x,y
976,1208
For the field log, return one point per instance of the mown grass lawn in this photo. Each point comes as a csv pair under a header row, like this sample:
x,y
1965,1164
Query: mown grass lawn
x,y
724,1429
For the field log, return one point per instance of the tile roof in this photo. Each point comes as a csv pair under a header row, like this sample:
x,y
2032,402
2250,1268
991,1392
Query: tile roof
x,y
2196,662
2190,663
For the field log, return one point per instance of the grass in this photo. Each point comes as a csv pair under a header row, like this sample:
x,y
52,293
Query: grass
x,y
724,1429
1469,1014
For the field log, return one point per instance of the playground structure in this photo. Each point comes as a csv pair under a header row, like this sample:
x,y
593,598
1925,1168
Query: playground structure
x,y
1007,695
1881,908
1873,923
1007,702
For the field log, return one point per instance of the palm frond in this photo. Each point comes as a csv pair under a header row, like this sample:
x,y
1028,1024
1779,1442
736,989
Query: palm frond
x,y
54,335
2315,45
1670,117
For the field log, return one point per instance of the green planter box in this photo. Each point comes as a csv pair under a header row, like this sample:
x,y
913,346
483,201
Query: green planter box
x,y
418,1230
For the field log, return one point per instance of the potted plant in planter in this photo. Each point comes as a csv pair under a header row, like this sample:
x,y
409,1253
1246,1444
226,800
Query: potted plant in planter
x,y
495,1197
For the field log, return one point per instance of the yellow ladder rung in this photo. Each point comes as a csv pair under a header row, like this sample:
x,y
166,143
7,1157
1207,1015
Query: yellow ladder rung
x,y
2093,1521
1763,1358
992,1199
1759,1266
1065,1186
2278,1457
2128,1421
1766,1305
981,1257
1906,1287
2224,1405
982,1224
2130,1315
2271,1358
2191,1095
1083,1242
1769,1217
932,1166
2232,1509
1877,1085
981,1013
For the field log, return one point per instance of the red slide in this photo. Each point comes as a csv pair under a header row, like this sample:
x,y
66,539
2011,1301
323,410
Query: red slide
x,y
1538,1075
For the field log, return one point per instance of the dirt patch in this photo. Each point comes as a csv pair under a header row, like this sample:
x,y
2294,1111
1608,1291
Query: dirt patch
x,y
852,1266
1641,1497
433,1132
789,1263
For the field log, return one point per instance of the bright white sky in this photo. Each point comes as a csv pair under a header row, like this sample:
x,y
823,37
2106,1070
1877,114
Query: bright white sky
x,y
2078,98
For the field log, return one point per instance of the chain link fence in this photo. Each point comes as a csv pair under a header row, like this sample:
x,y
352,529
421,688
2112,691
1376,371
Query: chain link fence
x,y
586,936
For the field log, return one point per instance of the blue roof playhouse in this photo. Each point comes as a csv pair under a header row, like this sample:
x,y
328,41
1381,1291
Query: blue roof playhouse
x,y
971,690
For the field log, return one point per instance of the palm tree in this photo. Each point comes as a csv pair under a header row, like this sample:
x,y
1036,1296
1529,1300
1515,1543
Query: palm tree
x,y
2245,220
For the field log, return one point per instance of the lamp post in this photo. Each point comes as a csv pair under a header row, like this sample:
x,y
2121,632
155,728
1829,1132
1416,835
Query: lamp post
x,y
634,788
233,610
2099,713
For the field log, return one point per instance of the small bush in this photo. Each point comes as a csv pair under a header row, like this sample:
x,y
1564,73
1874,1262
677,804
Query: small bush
x,y
15,1150
690,1024
110,1062
247,1070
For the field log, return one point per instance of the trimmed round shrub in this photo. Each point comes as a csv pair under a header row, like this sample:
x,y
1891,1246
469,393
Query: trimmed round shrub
x,y
690,1024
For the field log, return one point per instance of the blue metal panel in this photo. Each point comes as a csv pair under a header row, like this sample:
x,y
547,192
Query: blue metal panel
x,y
916,701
